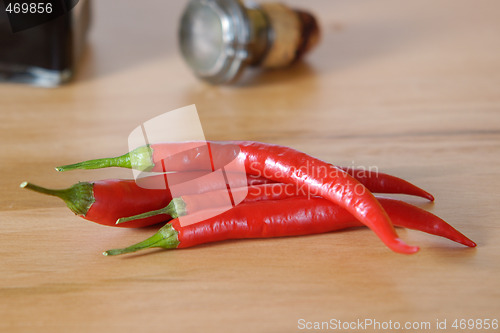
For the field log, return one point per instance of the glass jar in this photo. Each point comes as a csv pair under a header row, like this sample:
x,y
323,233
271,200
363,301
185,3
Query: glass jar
x,y
46,54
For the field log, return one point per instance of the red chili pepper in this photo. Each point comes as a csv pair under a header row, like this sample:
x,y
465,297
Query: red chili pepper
x,y
185,156
191,203
289,217
278,163
105,201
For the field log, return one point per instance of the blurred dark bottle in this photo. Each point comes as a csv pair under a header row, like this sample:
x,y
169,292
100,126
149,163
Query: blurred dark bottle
x,y
46,54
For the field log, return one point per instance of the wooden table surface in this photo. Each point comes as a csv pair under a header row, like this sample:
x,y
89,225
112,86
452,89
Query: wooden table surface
x,y
412,88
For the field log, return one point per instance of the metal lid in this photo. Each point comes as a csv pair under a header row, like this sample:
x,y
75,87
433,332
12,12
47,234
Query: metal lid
x,y
214,35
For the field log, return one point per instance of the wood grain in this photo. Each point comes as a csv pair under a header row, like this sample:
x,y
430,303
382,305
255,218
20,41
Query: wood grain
x,y
411,87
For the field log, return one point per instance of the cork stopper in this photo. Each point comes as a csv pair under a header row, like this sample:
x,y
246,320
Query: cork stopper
x,y
293,34
220,38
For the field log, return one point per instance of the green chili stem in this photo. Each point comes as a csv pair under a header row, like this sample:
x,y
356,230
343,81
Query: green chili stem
x,y
176,208
139,159
57,193
120,161
166,237
78,197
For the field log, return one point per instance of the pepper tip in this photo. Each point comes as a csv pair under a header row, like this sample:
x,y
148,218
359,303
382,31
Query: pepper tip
x,y
469,243
401,247
23,184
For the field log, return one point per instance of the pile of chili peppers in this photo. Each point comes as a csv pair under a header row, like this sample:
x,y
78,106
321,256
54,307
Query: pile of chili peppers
x,y
287,193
